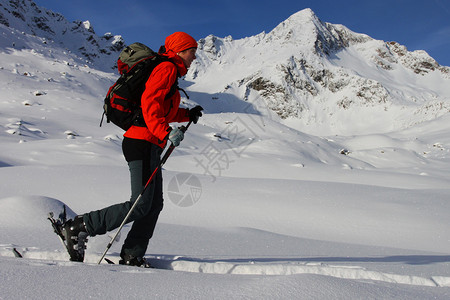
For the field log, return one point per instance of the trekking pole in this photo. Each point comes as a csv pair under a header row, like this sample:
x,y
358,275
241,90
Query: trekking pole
x,y
162,162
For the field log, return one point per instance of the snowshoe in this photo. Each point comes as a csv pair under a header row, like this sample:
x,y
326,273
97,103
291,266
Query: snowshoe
x,y
75,236
72,234
134,261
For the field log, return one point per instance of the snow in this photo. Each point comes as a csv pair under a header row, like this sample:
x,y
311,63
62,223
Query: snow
x,y
269,211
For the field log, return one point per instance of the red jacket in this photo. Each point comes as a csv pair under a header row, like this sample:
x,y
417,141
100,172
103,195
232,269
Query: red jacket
x,y
158,112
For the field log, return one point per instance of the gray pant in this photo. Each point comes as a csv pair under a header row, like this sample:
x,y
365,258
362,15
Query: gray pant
x,y
145,214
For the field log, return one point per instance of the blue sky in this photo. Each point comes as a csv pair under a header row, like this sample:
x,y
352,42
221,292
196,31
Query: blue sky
x,y
417,24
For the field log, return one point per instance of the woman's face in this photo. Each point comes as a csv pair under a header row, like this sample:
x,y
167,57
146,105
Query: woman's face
x,y
188,56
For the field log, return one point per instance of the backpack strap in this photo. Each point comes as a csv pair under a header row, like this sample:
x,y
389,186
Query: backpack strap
x,y
184,92
139,118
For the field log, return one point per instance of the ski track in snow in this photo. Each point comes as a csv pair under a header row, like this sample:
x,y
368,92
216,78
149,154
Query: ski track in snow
x,y
237,267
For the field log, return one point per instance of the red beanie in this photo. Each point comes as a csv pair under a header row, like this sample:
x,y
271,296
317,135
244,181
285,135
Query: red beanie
x,y
180,41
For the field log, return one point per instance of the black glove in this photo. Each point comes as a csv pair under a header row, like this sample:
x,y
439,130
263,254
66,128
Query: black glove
x,y
195,113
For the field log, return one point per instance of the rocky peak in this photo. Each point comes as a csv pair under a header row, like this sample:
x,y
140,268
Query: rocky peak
x,y
78,37
419,61
304,28
314,74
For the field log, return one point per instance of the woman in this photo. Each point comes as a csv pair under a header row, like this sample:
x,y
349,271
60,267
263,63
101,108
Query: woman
x,y
142,148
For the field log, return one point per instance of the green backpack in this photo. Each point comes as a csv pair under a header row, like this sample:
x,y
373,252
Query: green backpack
x,y
122,104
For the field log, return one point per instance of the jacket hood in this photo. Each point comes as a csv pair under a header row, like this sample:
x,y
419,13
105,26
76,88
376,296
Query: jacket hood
x,y
180,41
174,58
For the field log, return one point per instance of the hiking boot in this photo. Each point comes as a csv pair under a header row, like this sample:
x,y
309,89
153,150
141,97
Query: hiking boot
x,y
134,261
75,234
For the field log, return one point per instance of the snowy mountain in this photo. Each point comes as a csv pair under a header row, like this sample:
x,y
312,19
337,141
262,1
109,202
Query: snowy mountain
x,y
317,77
258,203
77,37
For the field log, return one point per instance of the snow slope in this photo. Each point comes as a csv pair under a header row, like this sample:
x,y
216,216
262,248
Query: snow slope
x,y
254,209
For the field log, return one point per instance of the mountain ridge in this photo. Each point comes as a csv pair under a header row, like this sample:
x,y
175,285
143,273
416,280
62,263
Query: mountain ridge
x,y
315,76
77,36
311,75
